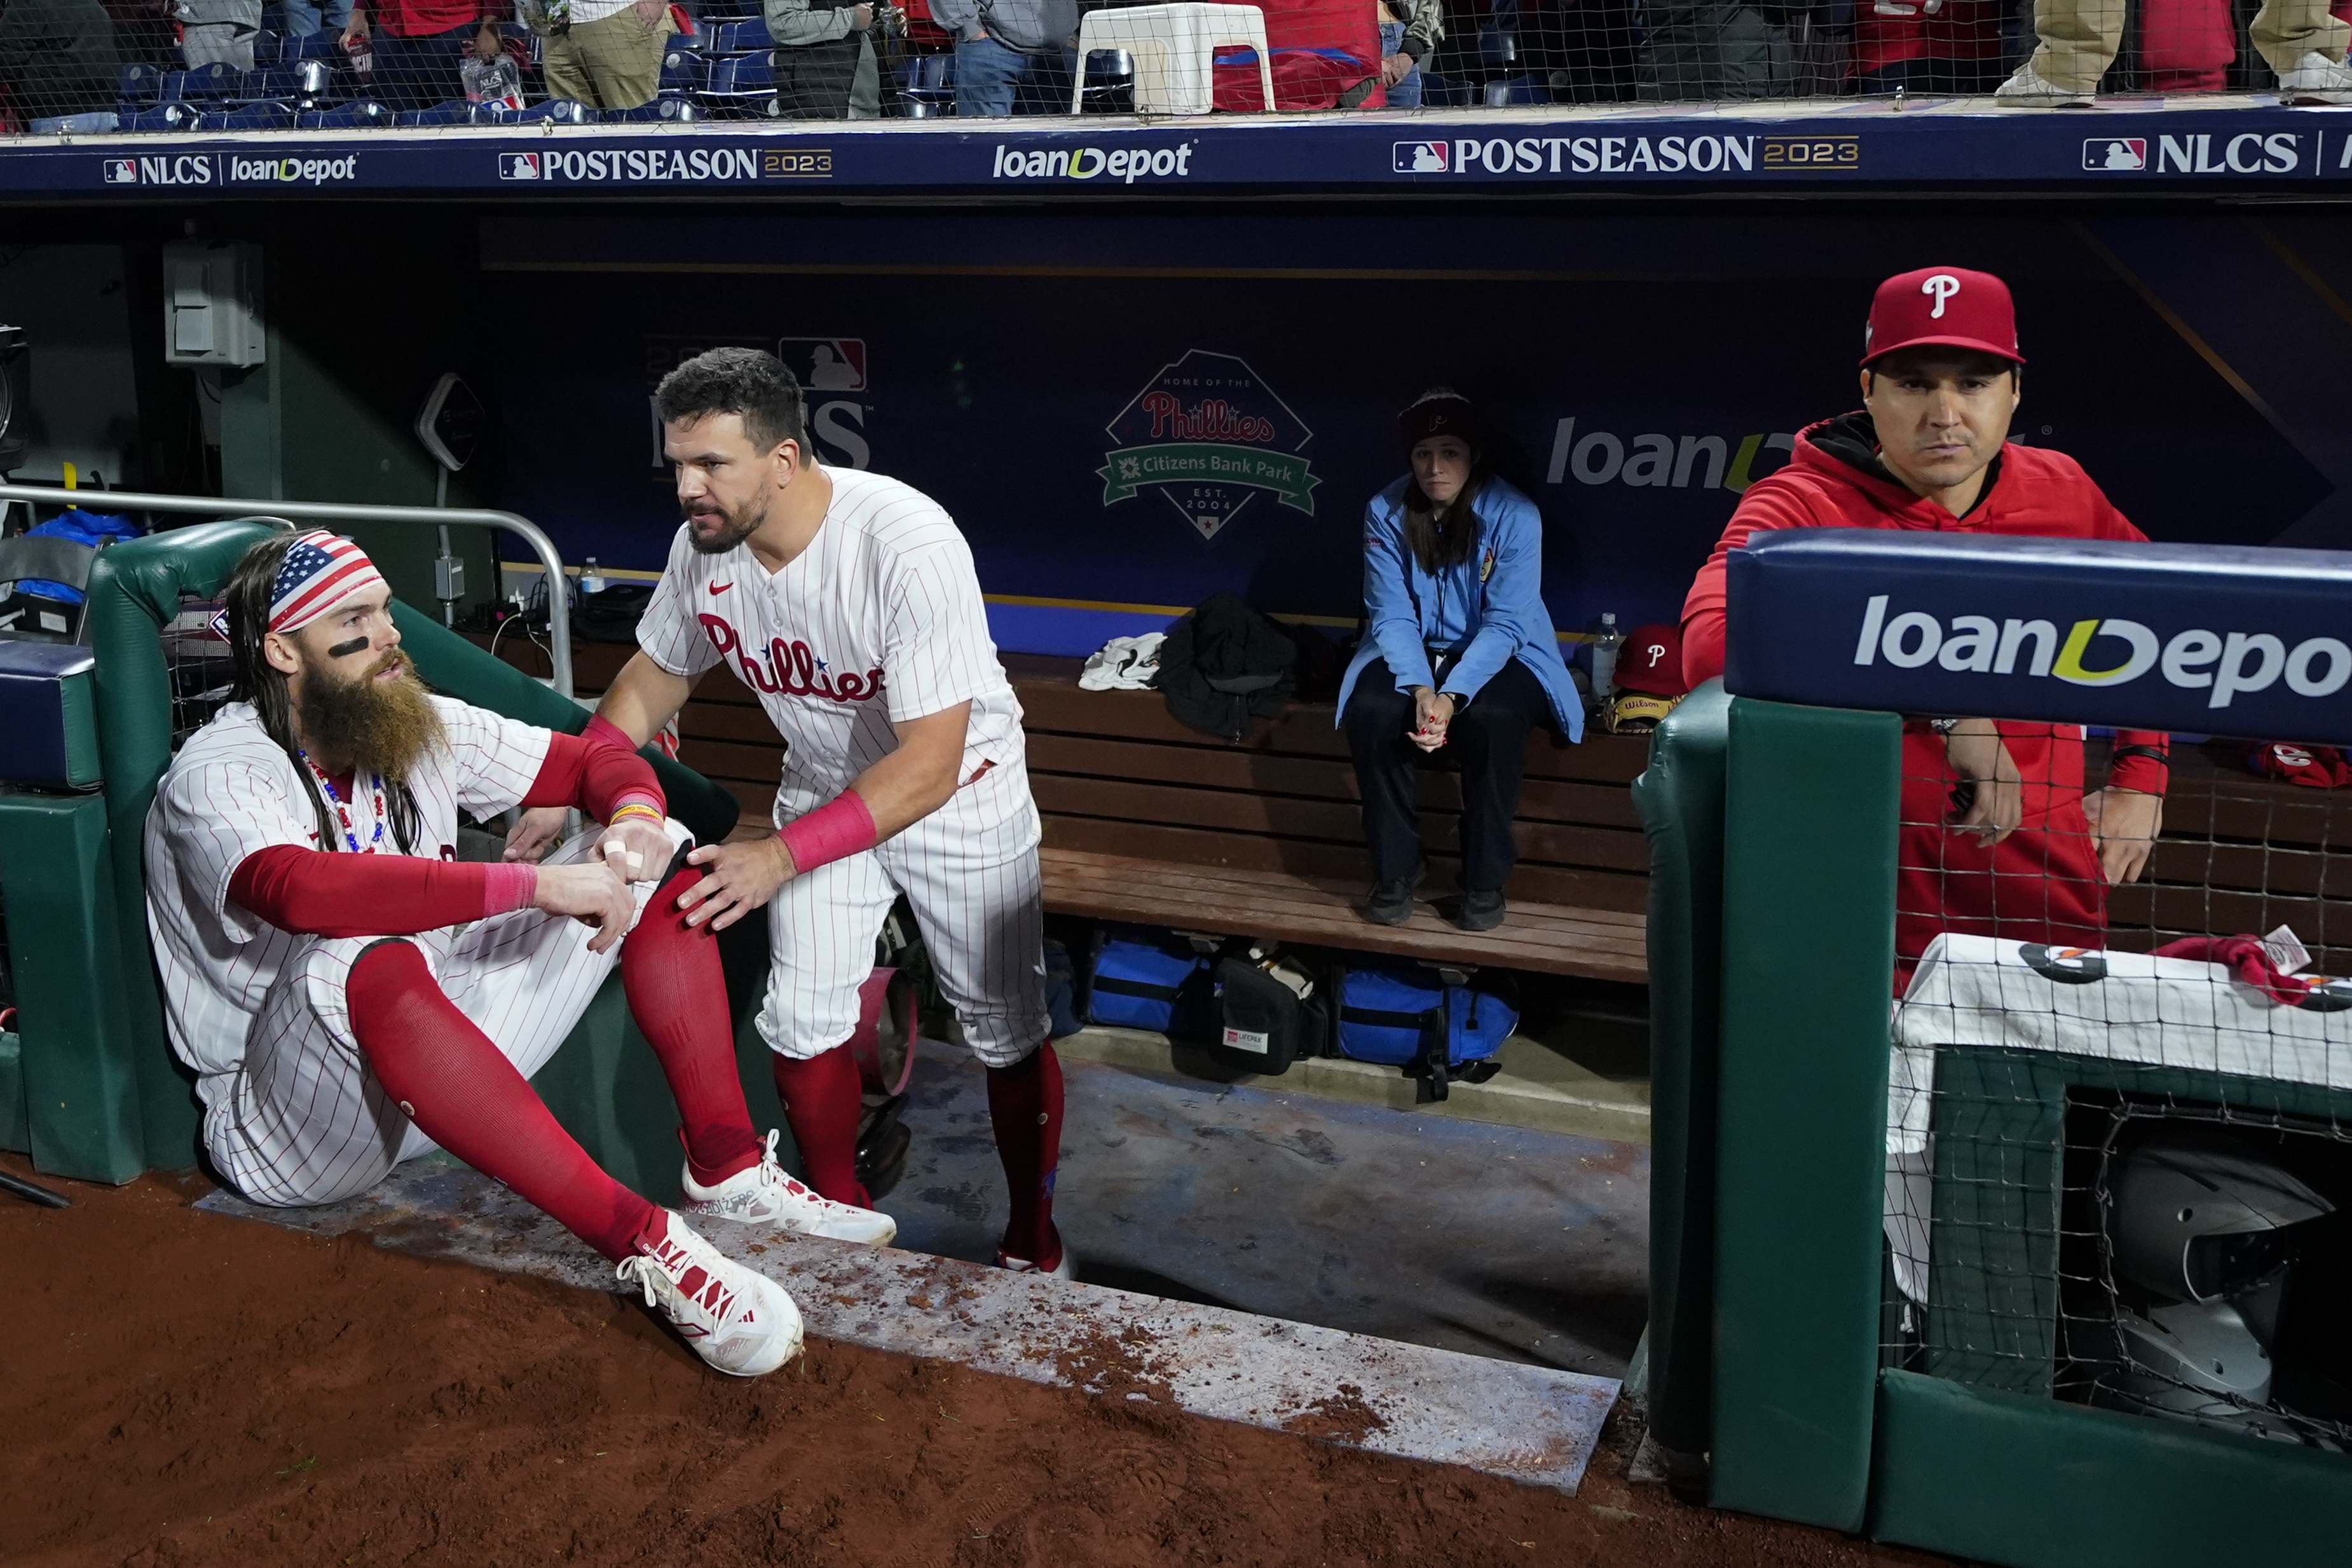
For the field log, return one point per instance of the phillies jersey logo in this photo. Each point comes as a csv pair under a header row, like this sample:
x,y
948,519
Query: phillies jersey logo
x,y
789,668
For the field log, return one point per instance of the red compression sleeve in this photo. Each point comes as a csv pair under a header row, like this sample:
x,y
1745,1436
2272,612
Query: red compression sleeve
x,y
454,1083
593,775
2145,774
840,828
322,895
678,994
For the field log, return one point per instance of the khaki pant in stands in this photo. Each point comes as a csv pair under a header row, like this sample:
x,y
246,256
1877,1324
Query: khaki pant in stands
x,y
613,62
2079,37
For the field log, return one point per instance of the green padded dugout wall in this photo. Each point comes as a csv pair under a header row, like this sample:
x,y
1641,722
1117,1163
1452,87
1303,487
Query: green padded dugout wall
x,y
1808,973
1680,797
135,590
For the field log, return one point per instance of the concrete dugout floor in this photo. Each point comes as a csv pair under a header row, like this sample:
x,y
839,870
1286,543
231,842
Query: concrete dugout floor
x,y
1503,1241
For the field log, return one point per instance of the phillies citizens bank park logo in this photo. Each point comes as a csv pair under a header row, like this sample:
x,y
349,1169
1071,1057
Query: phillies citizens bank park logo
x,y
1209,438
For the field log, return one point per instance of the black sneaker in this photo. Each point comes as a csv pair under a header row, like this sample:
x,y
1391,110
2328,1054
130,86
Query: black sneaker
x,y
1389,903
1476,911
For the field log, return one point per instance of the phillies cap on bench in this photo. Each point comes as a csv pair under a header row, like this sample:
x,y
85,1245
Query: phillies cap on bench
x,y
1949,307
1651,661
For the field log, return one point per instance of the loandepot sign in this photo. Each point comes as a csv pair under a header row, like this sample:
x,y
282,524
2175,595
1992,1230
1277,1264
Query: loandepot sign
x,y
1209,438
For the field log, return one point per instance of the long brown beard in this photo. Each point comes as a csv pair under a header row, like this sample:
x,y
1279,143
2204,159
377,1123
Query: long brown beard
x,y
370,726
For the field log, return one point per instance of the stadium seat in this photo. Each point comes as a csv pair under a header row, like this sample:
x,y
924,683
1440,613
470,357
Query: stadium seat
x,y
162,116
267,45
1499,50
205,84
676,111
1444,92
549,111
319,45
306,81
926,86
739,84
683,69
1110,83
736,38
1518,89
139,85
363,111
451,111
249,117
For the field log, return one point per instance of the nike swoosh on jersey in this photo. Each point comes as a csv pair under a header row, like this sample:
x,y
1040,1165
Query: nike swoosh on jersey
x,y
718,588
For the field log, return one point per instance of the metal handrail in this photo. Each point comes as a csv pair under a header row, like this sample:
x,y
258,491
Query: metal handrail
x,y
559,613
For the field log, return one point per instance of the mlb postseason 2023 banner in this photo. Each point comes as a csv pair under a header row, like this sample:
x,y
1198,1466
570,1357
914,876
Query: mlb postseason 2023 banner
x,y
2196,639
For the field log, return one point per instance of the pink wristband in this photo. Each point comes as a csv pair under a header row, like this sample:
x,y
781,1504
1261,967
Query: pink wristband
x,y
506,888
611,734
839,828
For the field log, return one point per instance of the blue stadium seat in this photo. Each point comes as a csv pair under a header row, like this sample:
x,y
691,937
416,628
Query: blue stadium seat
x,y
454,111
305,79
204,84
716,11
683,70
344,117
1110,83
672,109
322,45
926,86
741,84
267,47
1497,49
163,117
1518,89
250,117
736,38
551,112
1444,92
139,85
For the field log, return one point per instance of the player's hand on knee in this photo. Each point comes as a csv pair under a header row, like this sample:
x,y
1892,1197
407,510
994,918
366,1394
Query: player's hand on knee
x,y
637,848
736,879
535,832
590,893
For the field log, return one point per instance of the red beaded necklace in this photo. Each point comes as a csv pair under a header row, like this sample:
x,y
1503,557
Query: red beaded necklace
x,y
343,812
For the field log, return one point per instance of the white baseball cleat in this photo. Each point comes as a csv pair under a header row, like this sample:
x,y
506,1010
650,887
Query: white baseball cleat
x,y
764,1194
1065,1270
736,1318
2029,89
2316,79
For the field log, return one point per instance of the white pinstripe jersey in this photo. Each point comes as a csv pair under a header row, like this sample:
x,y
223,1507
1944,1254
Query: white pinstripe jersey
x,y
233,790
878,622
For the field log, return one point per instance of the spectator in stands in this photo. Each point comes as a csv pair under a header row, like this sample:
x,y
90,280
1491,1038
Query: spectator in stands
x,y
1410,30
218,32
610,55
824,62
418,43
1459,651
1012,56
1714,49
304,17
1955,49
58,57
2184,43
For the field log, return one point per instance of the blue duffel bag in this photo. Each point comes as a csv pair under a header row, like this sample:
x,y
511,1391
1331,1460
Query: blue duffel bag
x,y
1145,979
1438,1028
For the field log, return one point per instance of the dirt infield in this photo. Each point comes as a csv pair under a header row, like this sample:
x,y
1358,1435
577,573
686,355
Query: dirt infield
x,y
183,1389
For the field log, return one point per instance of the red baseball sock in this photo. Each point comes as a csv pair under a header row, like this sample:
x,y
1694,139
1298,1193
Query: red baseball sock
x,y
1024,1106
679,997
449,1080
822,1102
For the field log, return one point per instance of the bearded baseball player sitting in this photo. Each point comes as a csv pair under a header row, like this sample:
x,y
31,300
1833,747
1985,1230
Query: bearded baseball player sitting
x,y
849,603
350,995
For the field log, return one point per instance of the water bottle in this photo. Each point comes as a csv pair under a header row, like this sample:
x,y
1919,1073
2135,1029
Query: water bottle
x,y
1606,641
591,579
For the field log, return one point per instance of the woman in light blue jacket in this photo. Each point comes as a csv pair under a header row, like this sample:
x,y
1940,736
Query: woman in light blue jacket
x,y
1458,653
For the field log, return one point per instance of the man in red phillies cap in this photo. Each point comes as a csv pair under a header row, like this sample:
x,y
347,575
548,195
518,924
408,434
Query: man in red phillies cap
x,y
1999,834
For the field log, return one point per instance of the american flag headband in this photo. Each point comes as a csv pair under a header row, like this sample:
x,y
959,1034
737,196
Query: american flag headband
x,y
320,571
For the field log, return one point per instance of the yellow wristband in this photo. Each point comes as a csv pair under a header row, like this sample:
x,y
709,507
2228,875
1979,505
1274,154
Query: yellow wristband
x,y
636,809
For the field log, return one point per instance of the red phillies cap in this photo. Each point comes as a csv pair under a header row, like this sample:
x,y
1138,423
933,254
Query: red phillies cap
x,y
1949,305
1651,661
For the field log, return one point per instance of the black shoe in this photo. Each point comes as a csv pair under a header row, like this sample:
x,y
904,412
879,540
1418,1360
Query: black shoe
x,y
882,1143
1476,910
1389,903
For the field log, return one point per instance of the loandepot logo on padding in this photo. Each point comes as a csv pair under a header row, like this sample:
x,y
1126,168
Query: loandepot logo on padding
x,y
2105,651
1121,165
1209,438
1657,460
293,170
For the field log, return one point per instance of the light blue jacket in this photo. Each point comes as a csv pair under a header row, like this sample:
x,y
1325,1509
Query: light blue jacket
x,y
1490,608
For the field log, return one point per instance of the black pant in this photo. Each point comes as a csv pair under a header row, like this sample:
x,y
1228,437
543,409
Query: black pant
x,y
1489,739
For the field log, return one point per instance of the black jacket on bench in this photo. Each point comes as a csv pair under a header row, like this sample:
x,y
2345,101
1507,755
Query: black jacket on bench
x,y
1224,663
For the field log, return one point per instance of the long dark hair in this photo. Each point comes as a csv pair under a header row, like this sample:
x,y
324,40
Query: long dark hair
x,y
246,597
1448,536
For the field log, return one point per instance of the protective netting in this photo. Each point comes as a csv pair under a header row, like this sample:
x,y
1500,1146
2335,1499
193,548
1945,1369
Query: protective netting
x,y
89,66
2119,1131
196,658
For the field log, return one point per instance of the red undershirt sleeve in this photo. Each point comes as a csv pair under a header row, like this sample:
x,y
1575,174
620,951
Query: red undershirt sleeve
x,y
320,895
2145,774
595,776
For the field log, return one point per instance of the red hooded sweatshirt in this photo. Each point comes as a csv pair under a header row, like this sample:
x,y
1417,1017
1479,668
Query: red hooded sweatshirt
x,y
2041,884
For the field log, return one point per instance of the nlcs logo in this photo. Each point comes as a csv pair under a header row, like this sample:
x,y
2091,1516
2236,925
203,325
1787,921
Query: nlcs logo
x,y
1419,157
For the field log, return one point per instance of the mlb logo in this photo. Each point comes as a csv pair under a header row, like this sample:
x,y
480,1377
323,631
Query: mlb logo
x,y
122,171
2115,152
1419,157
518,166
826,364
